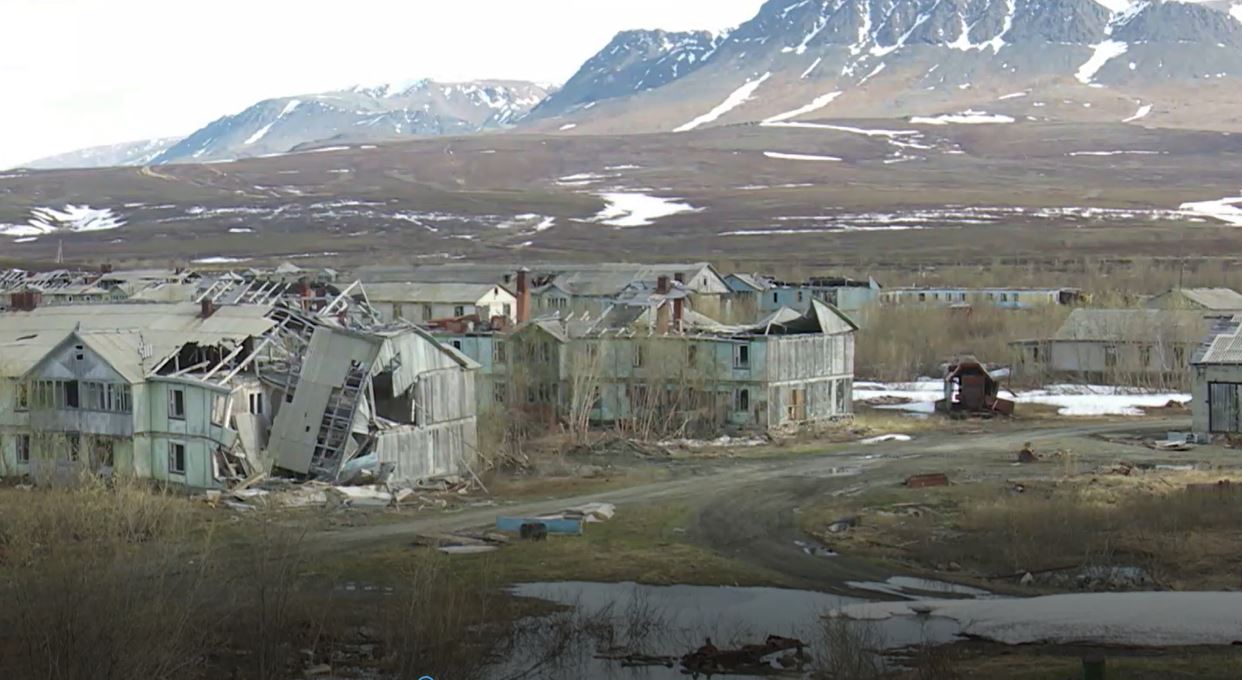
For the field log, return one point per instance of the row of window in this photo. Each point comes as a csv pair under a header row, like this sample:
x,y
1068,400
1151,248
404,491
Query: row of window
x,y
543,353
74,394
102,449
961,297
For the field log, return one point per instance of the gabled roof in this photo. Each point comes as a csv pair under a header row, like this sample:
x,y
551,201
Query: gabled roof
x,y
1223,345
441,293
754,282
1213,299
1133,325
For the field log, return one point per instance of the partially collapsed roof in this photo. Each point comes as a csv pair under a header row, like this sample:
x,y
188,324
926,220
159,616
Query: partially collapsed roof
x,y
1212,299
430,293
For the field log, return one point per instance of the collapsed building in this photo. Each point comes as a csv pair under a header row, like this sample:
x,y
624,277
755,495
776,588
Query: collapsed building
x,y
206,395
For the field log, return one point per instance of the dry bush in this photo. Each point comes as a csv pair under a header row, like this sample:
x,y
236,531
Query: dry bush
x,y
101,583
848,650
902,342
1173,535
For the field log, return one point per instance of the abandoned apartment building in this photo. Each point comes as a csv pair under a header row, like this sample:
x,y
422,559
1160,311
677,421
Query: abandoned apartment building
x,y
249,379
848,295
1127,346
650,361
999,297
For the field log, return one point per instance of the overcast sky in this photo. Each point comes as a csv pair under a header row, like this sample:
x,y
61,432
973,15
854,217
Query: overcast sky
x,y
78,73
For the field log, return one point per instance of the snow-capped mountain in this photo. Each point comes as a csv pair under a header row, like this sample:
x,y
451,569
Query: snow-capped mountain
x,y
360,113
635,61
1180,62
128,153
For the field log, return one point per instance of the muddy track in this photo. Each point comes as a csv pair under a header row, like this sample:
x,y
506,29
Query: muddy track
x,y
746,510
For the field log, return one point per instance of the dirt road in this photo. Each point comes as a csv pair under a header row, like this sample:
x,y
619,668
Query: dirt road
x,y
746,509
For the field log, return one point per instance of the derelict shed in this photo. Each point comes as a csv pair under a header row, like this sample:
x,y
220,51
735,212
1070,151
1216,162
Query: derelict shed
x,y
1216,388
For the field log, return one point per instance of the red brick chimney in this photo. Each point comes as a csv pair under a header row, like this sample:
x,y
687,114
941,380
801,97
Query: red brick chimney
x,y
27,300
206,308
679,306
523,295
105,268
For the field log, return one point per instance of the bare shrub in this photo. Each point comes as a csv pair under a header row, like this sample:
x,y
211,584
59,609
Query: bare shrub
x,y
848,650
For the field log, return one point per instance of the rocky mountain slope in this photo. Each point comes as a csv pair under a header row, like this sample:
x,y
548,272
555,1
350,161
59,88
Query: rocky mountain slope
x,y
359,114
128,153
1177,63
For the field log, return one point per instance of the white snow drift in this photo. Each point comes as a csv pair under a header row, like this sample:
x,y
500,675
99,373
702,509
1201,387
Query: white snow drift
x,y
1159,619
1103,53
638,210
739,96
1227,210
798,156
967,117
73,218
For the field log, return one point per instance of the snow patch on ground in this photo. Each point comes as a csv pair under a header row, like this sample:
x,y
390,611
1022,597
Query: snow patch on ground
x,y
1103,53
1143,111
638,210
241,230
220,259
1071,400
567,126
28,239
739,96
1149,619
1012,95
817,104
799,156
886,438
73,218
967,117
1114,153
1227,210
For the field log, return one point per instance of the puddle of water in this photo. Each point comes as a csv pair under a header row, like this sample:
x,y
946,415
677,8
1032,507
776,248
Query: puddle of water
x,y
729,616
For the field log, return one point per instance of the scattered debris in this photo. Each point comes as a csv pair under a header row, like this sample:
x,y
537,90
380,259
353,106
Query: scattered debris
x,y
748,658
1027,454
552,525
815,549
591,512
533,531
927,480
970,390
844,524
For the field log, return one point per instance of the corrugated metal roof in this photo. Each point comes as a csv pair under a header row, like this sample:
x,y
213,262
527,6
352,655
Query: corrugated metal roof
x,y
1133,325
1222,345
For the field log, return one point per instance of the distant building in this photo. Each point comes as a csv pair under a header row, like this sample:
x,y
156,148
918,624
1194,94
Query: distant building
x,y
424,302
1130,346
1004,298
1202,299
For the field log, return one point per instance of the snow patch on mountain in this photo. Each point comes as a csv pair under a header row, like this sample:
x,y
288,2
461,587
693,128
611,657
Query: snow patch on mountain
x,y
1227,210
1142,112
739,96
779,155
1103,53
967,117
817,104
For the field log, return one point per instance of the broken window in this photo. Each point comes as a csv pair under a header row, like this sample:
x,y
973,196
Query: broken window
x,y
1110,356
776,297
219,410
397,311
799,296
741,356
459,311
426,312
71,394
1144,356
500,391
102,453
507,310
922,297
23,448
692,354
1179,355
742,401
457,345
23,396
257,406
176,458
73,442
176,404
545,352
498,352
638,356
